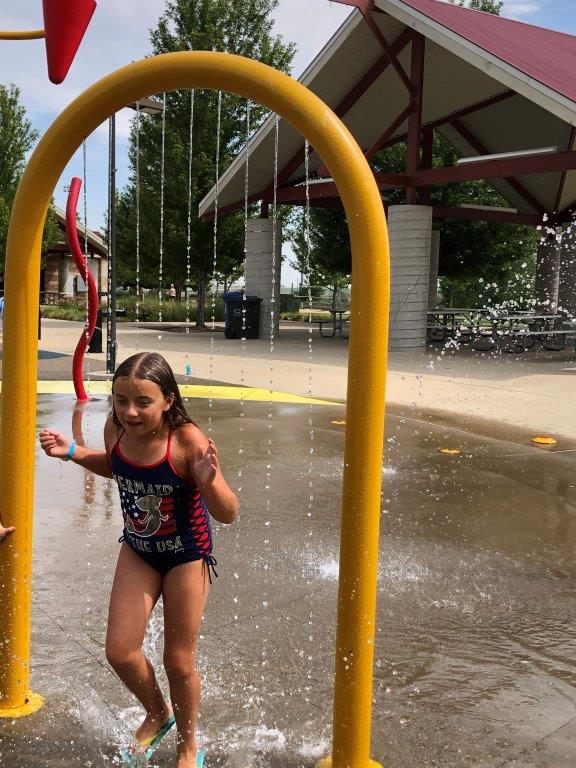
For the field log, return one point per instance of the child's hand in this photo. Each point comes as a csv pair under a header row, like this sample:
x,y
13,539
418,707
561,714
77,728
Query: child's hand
x,y
206,464
54,444
5,531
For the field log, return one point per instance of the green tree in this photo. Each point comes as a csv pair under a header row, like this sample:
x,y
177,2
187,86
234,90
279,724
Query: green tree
x,y
236,26
17,137
326,259
488,6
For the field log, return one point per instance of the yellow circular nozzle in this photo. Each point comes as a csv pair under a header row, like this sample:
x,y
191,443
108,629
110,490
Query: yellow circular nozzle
x,y
544,440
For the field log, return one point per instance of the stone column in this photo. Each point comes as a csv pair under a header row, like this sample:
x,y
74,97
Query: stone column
x,y
261,241
547,275
434,263
410,230
567,282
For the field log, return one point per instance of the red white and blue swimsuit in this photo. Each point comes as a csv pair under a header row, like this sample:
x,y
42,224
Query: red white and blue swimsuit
x,y
166,521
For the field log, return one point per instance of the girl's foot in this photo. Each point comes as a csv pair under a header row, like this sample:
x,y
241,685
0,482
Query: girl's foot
x,y
151,725
189,757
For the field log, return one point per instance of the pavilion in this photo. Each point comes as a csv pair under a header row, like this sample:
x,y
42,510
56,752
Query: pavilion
x,y
500,91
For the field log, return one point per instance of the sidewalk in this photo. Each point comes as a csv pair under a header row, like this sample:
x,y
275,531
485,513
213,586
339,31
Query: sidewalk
x,y
534,391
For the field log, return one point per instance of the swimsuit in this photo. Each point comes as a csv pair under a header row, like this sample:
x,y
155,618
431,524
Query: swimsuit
x,y
166,521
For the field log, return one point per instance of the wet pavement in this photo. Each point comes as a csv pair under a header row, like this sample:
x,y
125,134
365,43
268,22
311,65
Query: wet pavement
x,y
476,639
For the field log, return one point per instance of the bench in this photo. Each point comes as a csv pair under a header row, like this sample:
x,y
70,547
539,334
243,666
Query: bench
x,y
519,340
439,332
334,326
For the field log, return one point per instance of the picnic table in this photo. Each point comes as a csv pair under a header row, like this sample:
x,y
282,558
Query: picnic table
x,y
517,332
337,323
454,321
487,329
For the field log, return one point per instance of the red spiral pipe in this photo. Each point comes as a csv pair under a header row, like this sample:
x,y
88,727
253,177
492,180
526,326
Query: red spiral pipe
x,y
81,263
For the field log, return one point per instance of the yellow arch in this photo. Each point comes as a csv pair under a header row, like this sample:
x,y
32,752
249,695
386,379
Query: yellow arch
x,y
24,34
366,374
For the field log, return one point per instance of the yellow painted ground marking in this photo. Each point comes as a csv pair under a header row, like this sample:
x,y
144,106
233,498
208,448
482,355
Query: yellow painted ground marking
x,y
544,440
189,390
450,451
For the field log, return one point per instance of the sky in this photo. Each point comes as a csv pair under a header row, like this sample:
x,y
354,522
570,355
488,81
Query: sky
x,y
118,35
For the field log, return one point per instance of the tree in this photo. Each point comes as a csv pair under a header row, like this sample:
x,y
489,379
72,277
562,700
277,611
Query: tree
x,y
488,6
237,26
329,261
17,137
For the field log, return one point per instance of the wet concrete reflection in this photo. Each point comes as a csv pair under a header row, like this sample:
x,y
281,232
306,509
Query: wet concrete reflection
x,y
475,646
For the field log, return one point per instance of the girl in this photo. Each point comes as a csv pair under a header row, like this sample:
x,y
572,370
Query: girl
x,y
167,473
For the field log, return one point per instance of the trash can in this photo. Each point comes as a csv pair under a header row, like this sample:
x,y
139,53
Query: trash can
x,y
95,343
290,303
234,304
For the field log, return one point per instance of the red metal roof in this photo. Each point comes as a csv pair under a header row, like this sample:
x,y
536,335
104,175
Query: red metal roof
x,y
545,55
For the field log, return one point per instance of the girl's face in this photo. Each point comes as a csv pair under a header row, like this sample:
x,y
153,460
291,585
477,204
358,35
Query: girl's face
x,y
140,405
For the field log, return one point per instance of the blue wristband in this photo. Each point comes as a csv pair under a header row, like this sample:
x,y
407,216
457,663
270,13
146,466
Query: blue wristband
x,y
71,451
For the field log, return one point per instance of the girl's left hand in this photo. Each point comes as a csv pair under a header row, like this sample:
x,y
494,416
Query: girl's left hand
x,y
206,464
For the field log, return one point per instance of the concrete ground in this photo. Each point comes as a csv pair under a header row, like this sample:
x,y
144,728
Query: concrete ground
x,y
534,391
475,644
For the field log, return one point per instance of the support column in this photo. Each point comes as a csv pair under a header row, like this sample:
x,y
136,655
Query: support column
x,y
434,264
547,275
261,241
410,232
567,282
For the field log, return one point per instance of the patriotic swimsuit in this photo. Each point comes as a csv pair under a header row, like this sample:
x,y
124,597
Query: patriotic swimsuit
x,y
166,521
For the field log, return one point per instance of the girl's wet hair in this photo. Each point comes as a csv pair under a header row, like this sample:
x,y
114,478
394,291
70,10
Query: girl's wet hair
x,y
151,366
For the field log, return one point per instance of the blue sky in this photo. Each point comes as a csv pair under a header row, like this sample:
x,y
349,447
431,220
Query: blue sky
x,y
118,36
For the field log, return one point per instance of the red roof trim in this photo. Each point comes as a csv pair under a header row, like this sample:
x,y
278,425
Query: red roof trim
x,y
542,54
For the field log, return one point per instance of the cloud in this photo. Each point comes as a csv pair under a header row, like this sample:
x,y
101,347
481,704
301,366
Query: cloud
x,y
309,23
519,8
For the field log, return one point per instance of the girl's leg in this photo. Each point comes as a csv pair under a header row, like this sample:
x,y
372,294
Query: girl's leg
x,y
135,591
184,591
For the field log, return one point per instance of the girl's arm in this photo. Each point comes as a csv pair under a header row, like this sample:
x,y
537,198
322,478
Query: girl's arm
x,y
57,446
205,469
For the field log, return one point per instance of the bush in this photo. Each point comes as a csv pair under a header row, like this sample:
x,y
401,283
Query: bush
x,y
57,312
302,316
70,308
172,311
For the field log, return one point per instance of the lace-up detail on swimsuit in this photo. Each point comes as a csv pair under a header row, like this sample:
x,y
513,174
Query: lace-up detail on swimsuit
x,y
165,517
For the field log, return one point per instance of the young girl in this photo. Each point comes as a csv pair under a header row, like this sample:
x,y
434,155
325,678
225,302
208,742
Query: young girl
x,y
167,473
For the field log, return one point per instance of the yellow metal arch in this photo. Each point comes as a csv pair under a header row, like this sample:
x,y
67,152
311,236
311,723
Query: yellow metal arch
x,y
366,373
24,34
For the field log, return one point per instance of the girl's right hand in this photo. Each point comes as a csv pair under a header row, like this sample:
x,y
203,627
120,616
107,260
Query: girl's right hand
x,y
54,444
5,531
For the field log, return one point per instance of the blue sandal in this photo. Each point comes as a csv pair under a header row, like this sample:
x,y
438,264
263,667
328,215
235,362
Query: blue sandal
x,y
147,747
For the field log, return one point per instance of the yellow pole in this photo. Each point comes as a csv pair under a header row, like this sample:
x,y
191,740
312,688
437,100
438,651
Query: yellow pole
x,y
366,373
31,34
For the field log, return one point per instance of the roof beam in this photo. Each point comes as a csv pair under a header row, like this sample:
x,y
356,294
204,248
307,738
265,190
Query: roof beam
x,y
415,119
492,169
480,214
366,7
458,114
571,143
373,73
477,145
389,132
390,53
345,104
362,5
328,189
